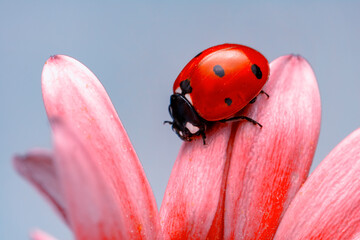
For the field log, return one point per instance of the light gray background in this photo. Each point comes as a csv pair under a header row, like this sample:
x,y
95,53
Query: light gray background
x,y
137,50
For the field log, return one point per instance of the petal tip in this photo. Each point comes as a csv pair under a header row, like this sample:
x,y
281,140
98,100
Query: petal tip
x,y
295,64
21,161
40,235
56,60
51,59
20,165
293,58
56,57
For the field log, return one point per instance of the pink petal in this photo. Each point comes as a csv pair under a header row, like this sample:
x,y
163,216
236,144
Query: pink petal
x,y
240,182
195,187
40,235
269,165
73,96
92,207
328,205
38,168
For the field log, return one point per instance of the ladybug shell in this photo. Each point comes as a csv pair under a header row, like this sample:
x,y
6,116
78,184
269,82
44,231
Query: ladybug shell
x,y
222,80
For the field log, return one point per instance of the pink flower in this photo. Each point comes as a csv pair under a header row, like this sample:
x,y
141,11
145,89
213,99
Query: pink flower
x,y
244,184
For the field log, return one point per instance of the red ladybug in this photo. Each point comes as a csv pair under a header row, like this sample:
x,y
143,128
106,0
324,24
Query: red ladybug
x,y
215,85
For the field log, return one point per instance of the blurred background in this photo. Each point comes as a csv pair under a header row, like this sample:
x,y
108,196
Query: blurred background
x,y
137,50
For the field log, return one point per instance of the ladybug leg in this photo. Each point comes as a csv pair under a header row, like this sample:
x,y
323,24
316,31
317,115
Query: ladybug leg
x,y
202,133
261,92
242,117
253,100
169,122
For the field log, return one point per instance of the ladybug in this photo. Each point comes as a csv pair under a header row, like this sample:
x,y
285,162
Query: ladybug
x,y
215,85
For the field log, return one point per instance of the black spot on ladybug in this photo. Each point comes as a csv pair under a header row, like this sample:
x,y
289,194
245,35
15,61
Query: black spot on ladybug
x,y
228,101
198,54
219,71
185,87
256,71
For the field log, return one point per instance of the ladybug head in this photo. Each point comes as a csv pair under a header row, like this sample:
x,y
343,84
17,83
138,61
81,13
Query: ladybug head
x,y
186,122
